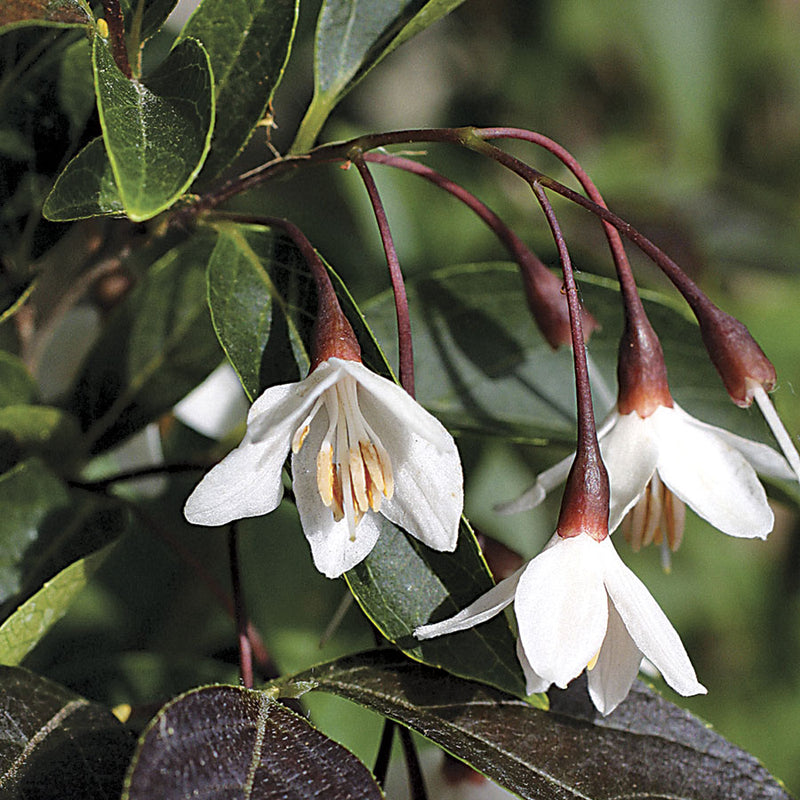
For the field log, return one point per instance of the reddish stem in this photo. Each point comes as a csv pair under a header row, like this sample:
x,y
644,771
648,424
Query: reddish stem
x,y
584,506
116,32
405,344
245,649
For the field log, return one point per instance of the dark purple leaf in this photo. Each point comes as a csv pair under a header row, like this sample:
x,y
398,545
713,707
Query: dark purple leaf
x,y
228,742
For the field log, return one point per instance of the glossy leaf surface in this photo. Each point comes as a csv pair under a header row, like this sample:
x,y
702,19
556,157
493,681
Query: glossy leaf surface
x,y
30,493
352,37
402,584
55,744
22,631
144,17
86,187
248,42
260,296
225,741
647,748
157,132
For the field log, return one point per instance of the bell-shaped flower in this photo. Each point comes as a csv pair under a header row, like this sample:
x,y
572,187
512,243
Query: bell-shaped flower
x,y
710,469
361,447
577,607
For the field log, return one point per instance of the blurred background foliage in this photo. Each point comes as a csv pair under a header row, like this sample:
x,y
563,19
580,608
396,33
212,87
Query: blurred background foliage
x,y
687,116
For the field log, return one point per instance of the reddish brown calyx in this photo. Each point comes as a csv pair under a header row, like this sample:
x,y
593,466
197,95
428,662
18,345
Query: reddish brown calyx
x,y
333,335
544,292
641,371
584,506
738,359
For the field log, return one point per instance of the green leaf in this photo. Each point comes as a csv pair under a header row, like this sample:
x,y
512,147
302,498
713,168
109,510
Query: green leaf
x,y
29,494
143,18
54,13
443,584
44,529
55,744
352,37
248,42
76,86
23,630
157,132
44,431
647,748
16,383
263,304
86,187
259,291
234,742
157,347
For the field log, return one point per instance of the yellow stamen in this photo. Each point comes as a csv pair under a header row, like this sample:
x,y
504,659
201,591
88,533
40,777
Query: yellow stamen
x,y
337,504
358,480
593,661
326,477
372,461
298,438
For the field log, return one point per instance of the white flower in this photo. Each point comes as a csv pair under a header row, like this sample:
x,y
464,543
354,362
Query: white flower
x,y
361,445
579,607
711,470
217,406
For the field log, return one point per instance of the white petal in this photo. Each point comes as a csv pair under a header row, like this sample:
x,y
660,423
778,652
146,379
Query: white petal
x,y
332,549
247,482
428,485
711,476
216,406
488,605
649,627
533,683
545,482
397,406
561,609
616,667
763,458
630,454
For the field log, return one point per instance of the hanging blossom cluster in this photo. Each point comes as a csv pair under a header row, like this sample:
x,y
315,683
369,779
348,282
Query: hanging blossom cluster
x,y
363,449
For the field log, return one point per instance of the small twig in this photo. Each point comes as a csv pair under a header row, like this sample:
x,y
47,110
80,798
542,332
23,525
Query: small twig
x,y
245,647
104,484
116,32
415,780
384,751
267,668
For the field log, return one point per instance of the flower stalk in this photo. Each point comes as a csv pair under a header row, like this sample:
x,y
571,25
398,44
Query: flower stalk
x,y
404,340
584,505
